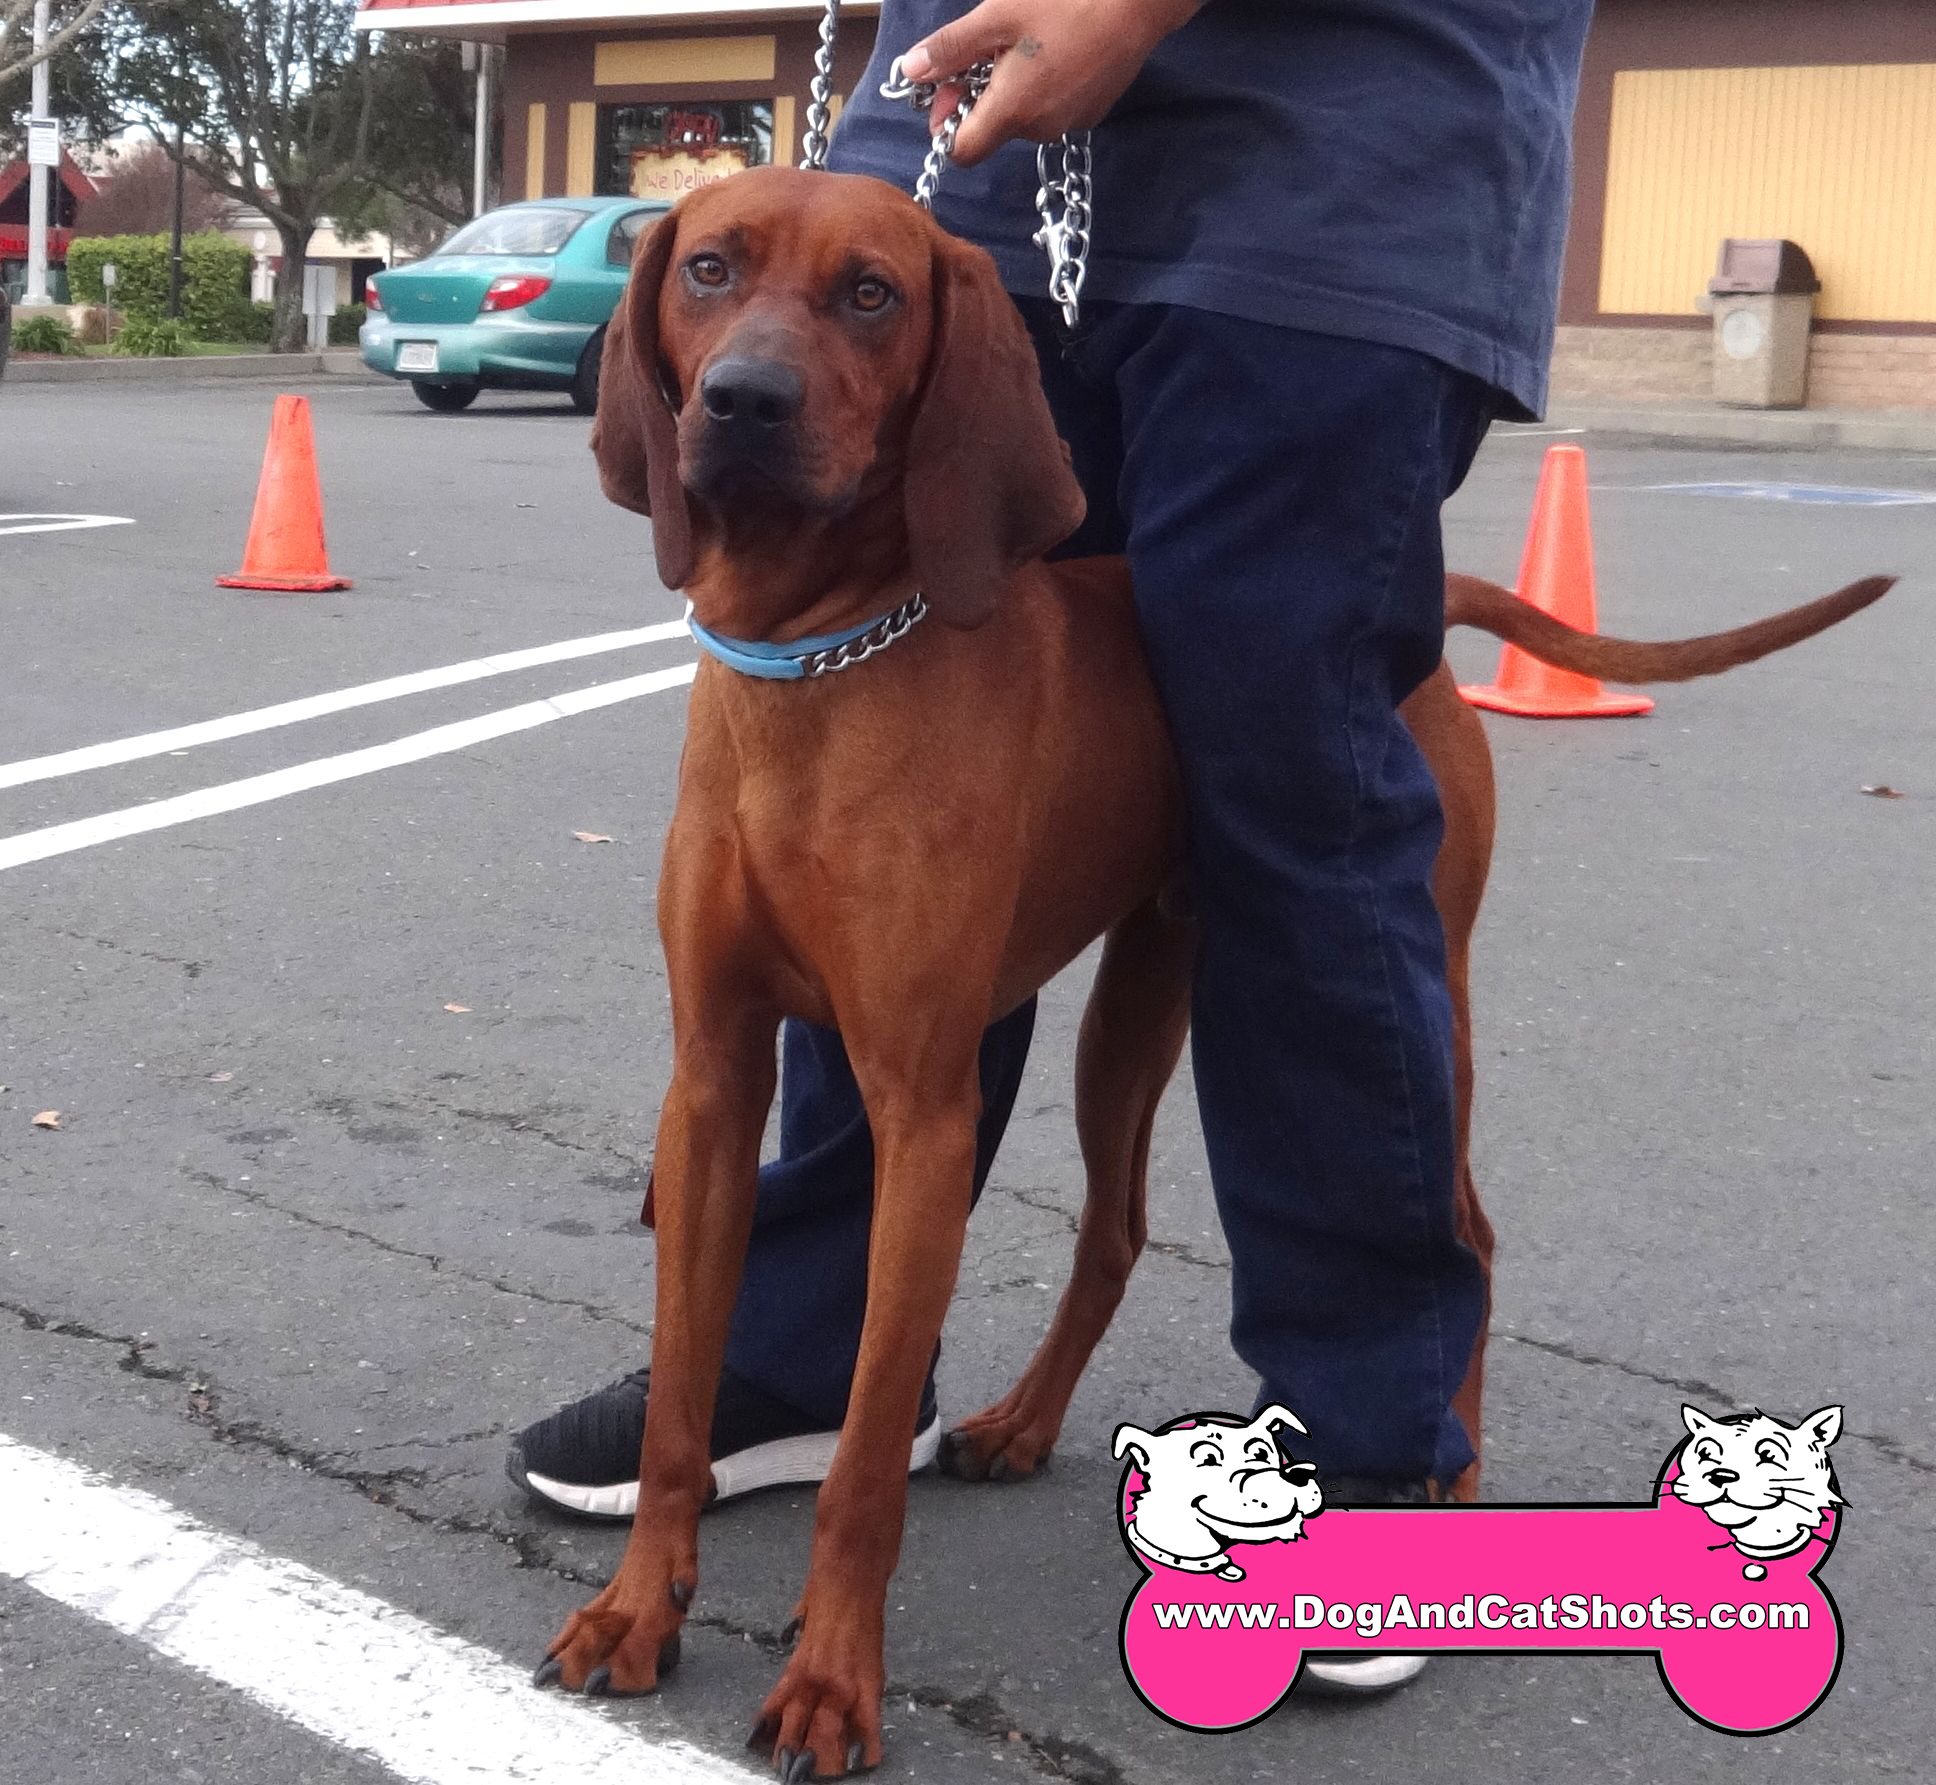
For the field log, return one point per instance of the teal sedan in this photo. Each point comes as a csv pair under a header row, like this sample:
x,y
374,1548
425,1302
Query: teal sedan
x,y
517,299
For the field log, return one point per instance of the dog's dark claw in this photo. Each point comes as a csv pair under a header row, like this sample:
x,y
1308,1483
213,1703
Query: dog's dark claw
x,y
958,1459
549,1669
801,1767
598,1683
682,1594
669,1654
853,1756
999,1470
790,1630
783,1763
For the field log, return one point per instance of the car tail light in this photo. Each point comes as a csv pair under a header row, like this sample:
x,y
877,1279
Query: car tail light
x,y
514,290
372,301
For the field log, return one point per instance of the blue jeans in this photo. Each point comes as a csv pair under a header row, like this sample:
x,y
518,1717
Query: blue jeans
x,y
1278,496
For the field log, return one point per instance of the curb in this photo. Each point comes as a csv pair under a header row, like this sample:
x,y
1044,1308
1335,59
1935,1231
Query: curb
x,y
1873,430
344,363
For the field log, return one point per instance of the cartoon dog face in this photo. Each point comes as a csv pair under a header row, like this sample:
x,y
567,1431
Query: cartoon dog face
x,y
1211,1481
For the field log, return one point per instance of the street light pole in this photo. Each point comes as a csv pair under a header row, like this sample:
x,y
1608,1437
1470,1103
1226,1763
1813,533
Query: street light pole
x,y
481,143
37,177
175,233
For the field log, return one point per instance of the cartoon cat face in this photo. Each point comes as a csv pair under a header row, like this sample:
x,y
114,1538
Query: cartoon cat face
x,y
1766,1484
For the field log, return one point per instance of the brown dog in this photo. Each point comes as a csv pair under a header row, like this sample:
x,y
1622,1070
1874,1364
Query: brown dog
x,y
827,404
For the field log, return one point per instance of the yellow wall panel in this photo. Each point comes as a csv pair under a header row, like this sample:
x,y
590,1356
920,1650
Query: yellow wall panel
x,y
786,146
534,152
1841,160
581,137
680,61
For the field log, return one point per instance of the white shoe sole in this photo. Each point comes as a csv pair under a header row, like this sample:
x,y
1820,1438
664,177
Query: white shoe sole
x,y
786,1462
1344,1676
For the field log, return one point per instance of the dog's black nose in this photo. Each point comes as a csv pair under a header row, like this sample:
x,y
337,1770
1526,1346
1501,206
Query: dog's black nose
x,y
751,393
1723,1477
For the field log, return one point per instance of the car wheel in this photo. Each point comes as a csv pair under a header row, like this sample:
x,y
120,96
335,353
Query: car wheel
x,y
584,383
446,399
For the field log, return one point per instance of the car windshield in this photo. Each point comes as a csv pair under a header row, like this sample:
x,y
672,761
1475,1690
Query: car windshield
x,y
521,231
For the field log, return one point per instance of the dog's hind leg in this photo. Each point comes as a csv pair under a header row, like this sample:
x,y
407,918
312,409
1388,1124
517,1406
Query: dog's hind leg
x,y
1132,1034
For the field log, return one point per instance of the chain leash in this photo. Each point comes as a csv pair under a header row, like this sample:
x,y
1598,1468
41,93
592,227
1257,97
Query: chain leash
x,y
1063,201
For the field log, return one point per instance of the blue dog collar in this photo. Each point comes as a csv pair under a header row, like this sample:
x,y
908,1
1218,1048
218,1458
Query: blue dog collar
x,y
802,658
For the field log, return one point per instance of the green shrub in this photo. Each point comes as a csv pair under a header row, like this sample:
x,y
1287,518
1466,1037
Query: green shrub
x,y
215,286
143,337
259,324
215,280
141,272
344,324
45,334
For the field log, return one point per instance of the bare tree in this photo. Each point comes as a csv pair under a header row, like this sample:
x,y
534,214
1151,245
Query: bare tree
x,y
135,195
17,58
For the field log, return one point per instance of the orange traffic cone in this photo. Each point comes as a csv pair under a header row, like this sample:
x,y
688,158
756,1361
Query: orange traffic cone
x,y
285,549
1556,576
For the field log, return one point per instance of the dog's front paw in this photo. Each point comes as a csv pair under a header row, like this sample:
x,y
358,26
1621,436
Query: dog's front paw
x,y
625,1641
823,1720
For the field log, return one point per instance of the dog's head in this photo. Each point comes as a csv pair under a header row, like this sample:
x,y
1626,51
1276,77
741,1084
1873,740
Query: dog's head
x,y
1234,1480
798,353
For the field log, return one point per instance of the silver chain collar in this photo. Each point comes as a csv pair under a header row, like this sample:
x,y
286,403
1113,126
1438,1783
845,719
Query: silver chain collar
x,y
878,637
1064,202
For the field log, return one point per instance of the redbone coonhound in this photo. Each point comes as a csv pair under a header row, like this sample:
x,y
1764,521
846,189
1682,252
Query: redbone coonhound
x,y
827,405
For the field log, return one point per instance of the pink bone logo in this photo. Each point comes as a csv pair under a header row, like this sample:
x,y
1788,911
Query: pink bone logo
x,y
1746,1647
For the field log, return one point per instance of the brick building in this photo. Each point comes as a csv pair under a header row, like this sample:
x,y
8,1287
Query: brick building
x,y
1699,119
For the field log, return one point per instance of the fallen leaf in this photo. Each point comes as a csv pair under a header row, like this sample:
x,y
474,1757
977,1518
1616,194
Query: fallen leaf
x,y
590,837
1884,792
458,1009
48,1118
220,1078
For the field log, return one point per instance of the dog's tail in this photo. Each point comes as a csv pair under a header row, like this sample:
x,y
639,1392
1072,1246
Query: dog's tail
x,y
1472,601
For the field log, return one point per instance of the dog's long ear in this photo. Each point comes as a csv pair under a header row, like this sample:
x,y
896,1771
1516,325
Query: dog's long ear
x,y
988,481
1136,1442
635,438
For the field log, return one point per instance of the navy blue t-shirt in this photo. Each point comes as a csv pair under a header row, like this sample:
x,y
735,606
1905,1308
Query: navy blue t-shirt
x,y
1389,170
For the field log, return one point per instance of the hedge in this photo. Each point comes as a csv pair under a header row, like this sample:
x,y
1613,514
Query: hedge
x,y
215,280
346,325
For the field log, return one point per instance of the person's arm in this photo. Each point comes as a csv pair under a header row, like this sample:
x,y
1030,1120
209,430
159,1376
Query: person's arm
x,y
1059,64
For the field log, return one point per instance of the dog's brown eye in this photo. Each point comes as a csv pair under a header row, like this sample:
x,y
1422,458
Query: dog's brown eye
x,y
707,270
872,294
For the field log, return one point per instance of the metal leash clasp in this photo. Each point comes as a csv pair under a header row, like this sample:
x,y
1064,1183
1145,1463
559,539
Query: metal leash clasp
x,y
1065,236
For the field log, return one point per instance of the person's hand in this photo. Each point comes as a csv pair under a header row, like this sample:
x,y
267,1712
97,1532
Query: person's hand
x,y
1059,64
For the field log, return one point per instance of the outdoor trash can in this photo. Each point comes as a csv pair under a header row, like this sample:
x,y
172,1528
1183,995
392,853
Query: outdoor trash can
x,y
1764,305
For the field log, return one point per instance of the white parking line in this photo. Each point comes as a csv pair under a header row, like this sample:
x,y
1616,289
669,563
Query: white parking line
x,y
132,821
316,706
61,523
360,1673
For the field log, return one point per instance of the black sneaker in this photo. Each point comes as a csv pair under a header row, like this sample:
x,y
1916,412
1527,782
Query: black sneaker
x,y
585,1457
1360,1675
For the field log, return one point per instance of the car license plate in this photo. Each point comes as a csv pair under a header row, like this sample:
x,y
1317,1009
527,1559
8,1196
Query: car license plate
x,y
417,356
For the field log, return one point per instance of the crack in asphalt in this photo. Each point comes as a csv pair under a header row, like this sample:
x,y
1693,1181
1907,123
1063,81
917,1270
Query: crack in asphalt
x,y
192,969
981,1715
1032,1196
438,1264
1696,1388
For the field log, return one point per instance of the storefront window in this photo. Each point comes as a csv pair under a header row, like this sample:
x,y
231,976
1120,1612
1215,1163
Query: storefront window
x,y
665,151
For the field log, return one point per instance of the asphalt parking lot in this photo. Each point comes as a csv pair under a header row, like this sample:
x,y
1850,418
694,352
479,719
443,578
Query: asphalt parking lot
x,y
357,1070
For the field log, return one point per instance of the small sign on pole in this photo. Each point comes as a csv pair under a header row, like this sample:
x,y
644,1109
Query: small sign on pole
x,y
109,274
43,142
